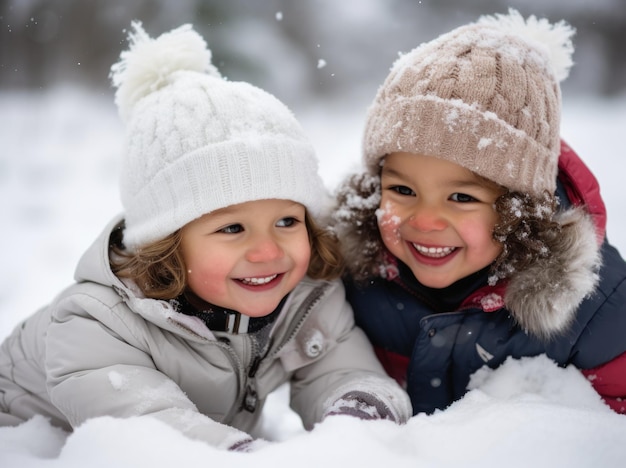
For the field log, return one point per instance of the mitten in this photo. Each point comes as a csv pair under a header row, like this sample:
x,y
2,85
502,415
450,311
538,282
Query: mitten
x,y
362,405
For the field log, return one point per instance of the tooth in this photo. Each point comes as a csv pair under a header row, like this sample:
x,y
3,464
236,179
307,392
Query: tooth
x,y
258,281
434,251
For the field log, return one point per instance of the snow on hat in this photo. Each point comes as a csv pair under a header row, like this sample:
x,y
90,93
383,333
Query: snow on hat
x,y
196,142
485,96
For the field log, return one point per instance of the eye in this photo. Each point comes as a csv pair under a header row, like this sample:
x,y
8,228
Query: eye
x,y
402,190
232,229
462,198
287,222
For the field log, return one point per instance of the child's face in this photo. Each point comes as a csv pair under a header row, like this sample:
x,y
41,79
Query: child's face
x,y
437,217
247,257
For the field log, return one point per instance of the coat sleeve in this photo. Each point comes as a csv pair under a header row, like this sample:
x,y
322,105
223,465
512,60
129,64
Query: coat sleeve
x,y
95,371
609,380
600,352
346,374
608,324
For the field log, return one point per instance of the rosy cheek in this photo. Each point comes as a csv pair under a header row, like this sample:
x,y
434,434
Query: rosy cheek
x,y
198,277
389,224
478,235
305,259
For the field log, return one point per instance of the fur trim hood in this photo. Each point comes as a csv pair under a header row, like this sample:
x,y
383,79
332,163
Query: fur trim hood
x,y
542,298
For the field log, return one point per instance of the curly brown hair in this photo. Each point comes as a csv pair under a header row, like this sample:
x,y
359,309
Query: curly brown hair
x,y
526,229
159,271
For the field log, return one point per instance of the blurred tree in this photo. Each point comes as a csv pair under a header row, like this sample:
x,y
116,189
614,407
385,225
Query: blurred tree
x,y
296,49
44,42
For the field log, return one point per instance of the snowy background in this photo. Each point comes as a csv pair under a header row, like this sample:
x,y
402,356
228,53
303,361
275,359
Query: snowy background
x,y
60,150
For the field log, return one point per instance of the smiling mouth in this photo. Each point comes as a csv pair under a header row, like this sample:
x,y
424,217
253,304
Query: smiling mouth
x,y
433,252
258,281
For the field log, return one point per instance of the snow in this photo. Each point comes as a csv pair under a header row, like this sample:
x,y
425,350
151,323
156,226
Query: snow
x,y
58,185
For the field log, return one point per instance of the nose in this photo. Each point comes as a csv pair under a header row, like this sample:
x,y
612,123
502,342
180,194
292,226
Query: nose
x,y
263,248
427,218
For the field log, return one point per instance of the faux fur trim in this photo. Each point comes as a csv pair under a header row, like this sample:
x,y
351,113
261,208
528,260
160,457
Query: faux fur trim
x,y
543,298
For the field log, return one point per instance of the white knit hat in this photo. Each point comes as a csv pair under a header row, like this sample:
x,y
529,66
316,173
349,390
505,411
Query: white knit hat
x,y
197,142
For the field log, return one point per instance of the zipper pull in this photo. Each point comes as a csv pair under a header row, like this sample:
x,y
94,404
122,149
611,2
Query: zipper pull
x,y
250,399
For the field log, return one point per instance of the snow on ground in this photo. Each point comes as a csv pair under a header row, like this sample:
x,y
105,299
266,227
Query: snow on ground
x,y
58,176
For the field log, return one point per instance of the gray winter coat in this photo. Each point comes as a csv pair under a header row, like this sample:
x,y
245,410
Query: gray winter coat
x,y
101,349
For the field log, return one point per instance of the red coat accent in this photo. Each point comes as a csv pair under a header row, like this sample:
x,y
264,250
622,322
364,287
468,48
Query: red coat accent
x,y
582,187
608,380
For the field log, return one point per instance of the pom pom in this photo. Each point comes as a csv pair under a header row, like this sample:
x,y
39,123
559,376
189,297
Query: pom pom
x,y
555,39
148,64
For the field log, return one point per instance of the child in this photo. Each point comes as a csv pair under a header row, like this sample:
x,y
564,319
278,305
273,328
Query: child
x,y
474,234
193,305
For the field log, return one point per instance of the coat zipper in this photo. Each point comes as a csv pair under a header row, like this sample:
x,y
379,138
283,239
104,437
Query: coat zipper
x,y
237,365
250,399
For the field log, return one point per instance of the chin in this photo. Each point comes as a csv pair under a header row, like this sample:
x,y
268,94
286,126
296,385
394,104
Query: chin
x,y
435,283
256,313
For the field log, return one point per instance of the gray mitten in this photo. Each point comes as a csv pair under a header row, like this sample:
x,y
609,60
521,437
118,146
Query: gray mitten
x,y
362,405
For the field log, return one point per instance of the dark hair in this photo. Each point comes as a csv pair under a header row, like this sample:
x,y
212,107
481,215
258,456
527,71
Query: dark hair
x,y
159,271
525,229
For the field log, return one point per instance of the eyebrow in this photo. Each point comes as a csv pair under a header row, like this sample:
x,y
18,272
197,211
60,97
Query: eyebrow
x,y
234,210
389,171
468,184
457,182
216,217
476,181
223,211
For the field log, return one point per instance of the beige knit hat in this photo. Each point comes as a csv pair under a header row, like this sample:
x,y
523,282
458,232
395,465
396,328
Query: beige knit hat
x,y
485,96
